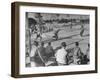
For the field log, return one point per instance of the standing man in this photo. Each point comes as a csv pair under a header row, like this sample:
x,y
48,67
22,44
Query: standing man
x,y
86,56
88,52
77,54
61,55
82,31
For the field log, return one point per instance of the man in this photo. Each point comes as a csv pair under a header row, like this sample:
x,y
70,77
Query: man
x,y
42,54
82,31
49,50
86,56
33,54
61,55
77,54
88,51
39,35
56,34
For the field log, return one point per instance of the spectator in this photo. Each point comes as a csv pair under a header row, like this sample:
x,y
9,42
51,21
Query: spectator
x,y
61,55
42,54
77,54
85,59
33,53
34,48
88,51
49,50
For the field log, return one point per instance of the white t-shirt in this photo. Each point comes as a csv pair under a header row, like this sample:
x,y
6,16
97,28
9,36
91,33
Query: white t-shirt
x,y
61,56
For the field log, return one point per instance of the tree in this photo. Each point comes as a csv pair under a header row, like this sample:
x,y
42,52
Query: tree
x,y
31,26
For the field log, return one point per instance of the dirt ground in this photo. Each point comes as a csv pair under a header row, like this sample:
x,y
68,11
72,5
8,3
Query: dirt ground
x,y
70,36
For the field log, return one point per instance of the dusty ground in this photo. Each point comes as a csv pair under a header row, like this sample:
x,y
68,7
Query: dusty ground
x,y
70,36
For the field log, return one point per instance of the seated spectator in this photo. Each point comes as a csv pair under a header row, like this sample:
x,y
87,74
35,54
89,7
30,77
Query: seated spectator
x,y
61,55
49,50
42,54
84,60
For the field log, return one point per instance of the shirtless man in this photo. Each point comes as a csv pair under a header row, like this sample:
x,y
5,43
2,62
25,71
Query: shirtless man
x,y
77,54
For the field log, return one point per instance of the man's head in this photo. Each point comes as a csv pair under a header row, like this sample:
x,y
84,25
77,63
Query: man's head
x,y
36,43
77,44
63,44
42,43
88,45
49,43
